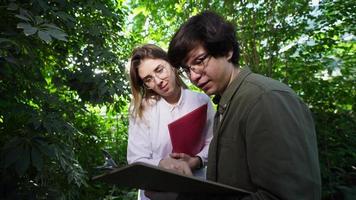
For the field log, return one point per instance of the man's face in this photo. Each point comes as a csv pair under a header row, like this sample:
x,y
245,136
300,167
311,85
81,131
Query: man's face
x,y
213,74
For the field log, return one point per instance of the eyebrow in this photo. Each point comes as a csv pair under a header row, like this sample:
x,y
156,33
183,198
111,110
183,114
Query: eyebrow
x,y
154,70
198,56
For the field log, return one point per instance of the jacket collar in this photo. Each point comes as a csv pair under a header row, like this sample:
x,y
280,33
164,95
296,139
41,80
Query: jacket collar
x,y
232,89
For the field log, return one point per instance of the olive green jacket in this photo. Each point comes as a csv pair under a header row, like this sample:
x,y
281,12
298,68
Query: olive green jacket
x,y
264,141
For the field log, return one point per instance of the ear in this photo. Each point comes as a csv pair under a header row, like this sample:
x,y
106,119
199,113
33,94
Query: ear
x,y
229,55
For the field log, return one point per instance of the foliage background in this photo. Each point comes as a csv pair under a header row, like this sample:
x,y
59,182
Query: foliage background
x,y
64,93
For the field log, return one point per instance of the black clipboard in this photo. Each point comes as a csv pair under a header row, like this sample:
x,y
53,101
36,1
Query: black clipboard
x,y
148,177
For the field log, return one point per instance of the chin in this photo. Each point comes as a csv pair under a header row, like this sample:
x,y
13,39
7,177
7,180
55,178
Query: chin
x,y
209,91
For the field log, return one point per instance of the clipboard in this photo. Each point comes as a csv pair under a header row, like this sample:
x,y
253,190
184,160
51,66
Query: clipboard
x,y
148,177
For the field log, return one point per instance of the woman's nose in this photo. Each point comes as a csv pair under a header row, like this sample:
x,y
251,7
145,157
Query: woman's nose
x,y
157,80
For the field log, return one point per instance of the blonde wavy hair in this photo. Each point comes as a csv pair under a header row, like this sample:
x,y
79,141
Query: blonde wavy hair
x,y
142,95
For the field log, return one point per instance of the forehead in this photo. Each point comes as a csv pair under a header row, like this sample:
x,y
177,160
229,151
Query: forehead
x,y
148,65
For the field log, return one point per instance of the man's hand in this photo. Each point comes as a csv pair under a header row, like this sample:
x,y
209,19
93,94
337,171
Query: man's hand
x,y
176,165
193,162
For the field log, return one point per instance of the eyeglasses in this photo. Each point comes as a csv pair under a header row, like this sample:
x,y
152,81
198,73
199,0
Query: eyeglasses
x,y
198,67
160,72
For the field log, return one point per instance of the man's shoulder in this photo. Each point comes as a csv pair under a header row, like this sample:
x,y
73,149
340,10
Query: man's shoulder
x,y
262,84
255,86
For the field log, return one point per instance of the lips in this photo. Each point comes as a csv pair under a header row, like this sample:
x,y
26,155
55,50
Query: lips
x,y
164,87
203,86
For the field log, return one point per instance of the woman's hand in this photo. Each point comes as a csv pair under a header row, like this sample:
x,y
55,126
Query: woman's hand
x,y
193,162
177,165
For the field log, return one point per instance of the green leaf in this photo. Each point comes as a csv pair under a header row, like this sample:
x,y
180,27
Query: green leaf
x,y
23,17
64,16
43,4
45,36
4,40
58,34
12,6
43,146
26,14
38,20
24,25
12,60
30,31
53,26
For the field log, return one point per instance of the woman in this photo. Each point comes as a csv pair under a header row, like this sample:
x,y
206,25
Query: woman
x,y
159,98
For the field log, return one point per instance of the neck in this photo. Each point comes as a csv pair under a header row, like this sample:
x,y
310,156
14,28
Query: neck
x,y
174,98
234,73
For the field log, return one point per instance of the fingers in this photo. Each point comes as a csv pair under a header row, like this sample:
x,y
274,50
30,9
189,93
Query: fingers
x,y
177,155
183,168
179,166
181,156
166,163
186,169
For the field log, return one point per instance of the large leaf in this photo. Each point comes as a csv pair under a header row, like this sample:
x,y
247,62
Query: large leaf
x,y
28,29
22,17
45,36
58,34
44,147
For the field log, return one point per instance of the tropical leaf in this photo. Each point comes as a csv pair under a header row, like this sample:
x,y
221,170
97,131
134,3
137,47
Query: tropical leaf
x,y
45,36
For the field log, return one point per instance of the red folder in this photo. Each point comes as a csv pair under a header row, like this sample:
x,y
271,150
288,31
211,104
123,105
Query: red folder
x,y
187,132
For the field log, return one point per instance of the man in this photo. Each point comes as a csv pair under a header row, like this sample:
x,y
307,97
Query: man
x,y
264,136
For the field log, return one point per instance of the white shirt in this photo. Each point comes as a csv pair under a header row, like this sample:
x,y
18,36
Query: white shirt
x,y
149,140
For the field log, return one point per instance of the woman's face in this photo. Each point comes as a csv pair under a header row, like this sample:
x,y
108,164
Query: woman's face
x,y
158,75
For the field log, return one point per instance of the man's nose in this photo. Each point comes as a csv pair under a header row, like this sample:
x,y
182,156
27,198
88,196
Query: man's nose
x,y
194,77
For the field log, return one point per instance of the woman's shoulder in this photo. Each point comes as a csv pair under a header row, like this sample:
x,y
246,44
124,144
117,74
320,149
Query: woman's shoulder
x,y
147,106
190,94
